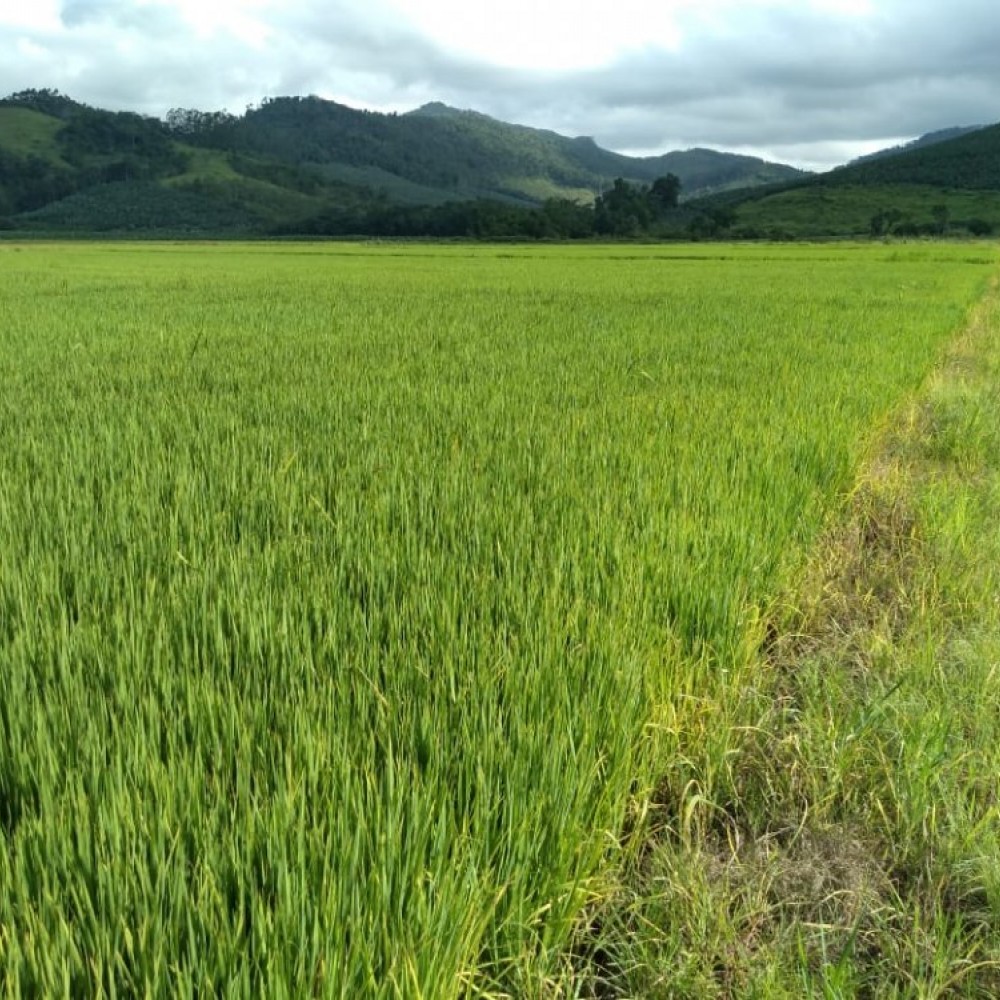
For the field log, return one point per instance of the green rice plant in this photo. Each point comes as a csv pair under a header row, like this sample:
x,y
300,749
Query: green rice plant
x,y
853,850
355,601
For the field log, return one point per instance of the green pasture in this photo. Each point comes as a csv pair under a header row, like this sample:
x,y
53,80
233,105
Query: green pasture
x,y
356,601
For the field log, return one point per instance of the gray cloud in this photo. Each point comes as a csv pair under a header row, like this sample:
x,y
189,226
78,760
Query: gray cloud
x,y
792,82
122,16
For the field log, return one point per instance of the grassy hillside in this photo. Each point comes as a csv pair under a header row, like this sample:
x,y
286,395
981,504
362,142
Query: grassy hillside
x,y
52,148
822,210
946,188
68,168
24,132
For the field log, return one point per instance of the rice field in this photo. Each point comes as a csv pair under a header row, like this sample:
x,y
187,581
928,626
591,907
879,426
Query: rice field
x,y
354,599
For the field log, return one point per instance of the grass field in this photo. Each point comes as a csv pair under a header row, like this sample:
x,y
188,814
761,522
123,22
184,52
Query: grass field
x,y
359,605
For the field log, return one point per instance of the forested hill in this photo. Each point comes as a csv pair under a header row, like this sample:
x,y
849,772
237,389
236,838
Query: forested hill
x,y
310,165
462,153
306,166
928,139
943,188
700,171
970,161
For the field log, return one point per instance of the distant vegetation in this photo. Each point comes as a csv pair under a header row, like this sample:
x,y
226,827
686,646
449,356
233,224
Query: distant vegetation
x,y
310,166
462,152
625,210
945,188
968,162
835,211
930,139
305,166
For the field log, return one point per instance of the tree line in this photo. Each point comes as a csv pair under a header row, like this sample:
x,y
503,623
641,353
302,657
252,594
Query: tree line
x,y
625,210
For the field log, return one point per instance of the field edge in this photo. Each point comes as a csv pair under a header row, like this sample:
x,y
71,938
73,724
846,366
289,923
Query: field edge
x,y
844,836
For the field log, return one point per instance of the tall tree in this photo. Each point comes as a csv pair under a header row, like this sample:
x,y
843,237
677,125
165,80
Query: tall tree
x,y
665,192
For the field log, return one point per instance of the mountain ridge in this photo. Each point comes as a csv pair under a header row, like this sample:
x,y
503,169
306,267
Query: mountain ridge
x,y
53,147
306,165
921,141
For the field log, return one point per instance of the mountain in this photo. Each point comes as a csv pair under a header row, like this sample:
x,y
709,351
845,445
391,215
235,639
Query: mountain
x,y
303,165
928,139
968,162
581,161
948,186
440,152
69,167
295,159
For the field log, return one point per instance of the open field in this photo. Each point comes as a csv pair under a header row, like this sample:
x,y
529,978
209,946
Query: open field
x,y
356,602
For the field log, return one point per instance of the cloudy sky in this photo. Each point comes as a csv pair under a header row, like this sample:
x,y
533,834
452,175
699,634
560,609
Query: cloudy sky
x,y
810,82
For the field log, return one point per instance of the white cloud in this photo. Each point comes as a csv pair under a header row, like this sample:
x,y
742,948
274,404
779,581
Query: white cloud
x,y
814,81
554,36
42,15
